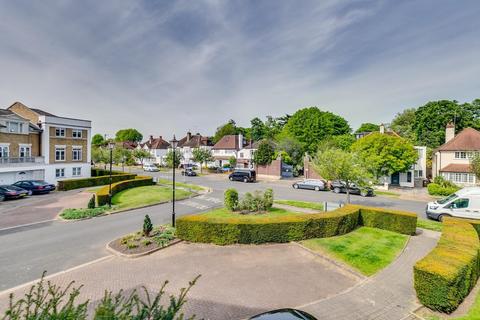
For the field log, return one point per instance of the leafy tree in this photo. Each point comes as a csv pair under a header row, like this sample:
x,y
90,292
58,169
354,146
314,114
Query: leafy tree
x,y
123,156
100,155
475,165
291,147
273,126
258,129
171,161
232,161
141,155
385,154
343,142
368,127
264,154
403,124
311,125
131,135
224,130
98,140
202,156
336,164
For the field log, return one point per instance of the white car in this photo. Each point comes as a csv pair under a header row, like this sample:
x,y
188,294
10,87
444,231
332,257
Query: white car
x,y
149,167
464,203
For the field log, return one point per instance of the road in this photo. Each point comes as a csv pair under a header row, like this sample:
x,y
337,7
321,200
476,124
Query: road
x,y
55,246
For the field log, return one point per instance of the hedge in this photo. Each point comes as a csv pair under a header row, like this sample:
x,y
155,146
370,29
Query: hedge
x,y
139,181
97,172
448,273
206,229
70,184
438,190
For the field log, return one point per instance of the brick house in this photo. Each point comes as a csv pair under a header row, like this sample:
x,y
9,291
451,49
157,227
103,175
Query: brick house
x,y
190,142
233,146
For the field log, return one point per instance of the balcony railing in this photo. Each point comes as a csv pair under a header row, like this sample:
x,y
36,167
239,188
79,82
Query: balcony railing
x,y
21,161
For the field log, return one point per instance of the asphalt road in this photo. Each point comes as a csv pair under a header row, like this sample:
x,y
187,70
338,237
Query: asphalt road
x,y
56,246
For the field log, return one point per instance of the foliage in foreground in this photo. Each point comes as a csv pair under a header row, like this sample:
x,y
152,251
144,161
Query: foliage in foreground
x,y
257,202
46,300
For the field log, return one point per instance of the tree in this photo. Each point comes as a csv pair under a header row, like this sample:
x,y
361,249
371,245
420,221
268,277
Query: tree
x,y
232,161
171,162
202,156
273,126
131,135
475,165
403,124
291,147
343,142
147,226
100,155
336,164
311,125
98,140
141,155
123,156
224,130
264,154
258,129
368,127
385,154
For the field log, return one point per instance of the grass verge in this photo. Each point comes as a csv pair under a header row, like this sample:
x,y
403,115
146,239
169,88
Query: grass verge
x,y
387,193
366,249
144,196
429,224
224,213
193,187
301,204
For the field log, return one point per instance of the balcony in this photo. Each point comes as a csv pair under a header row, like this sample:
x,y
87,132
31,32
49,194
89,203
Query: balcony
x,y
21,162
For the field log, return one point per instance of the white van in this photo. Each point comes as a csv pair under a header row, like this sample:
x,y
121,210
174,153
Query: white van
x,y
150,167
464,203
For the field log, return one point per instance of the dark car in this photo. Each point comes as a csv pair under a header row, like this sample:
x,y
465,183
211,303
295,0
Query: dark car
x,y
35,186
189,172
311,184
284,314
340,187
243,175
8,192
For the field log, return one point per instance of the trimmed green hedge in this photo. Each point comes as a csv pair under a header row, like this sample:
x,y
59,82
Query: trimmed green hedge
x,y
139,181
97,172
70,184
448,273
438,190
295,227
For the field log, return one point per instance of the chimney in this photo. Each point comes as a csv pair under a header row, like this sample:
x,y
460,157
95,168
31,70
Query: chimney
x,y
189,136
240,141
160,138
382,128
449,131
151,138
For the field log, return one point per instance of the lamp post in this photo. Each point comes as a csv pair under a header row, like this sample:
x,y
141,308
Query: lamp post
x,y
173,143
111,145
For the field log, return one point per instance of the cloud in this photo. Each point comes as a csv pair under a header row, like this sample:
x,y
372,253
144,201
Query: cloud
x,y
167,67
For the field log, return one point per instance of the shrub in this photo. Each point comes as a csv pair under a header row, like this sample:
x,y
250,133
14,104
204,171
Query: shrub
x,y
435,189
444,183
256,202
70,184
268,198
73,214
139,181
91,202
147,226
448,273
231,199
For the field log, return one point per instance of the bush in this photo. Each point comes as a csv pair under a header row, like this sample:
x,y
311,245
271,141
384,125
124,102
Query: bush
x,y
139,181
435,189
258,202
73,214
444,183
231,199
448,273
295,227
70,184
147,226
91,202
268,198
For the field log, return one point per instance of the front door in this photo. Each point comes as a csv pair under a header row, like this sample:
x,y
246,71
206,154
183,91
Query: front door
x,y
396,178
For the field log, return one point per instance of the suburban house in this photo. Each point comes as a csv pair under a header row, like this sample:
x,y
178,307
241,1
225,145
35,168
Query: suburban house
x,y
452,159
157,147
39,145
233,146
190,142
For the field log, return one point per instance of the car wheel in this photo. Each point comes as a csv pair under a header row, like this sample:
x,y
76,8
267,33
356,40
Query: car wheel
x,y
317,188
295,186
440,217
363,193
231,178
336,190
245,180
30,192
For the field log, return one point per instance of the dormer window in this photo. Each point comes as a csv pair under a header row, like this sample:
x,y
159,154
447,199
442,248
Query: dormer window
x,y
460,155
15,127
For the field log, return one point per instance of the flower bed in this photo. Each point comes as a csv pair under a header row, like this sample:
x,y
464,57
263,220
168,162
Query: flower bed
x,y
138,243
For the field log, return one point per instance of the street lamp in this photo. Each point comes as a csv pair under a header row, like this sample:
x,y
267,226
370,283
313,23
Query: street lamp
x,y
173,143
111,145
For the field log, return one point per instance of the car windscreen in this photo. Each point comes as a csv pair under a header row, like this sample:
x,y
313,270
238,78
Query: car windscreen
x,y
39,183
447,199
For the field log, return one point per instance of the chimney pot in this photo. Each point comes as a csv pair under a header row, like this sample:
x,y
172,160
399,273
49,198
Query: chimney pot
x,y
449,131
189,136
382,129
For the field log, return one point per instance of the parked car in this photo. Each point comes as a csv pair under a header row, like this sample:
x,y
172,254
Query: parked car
x,y
150,167
8,192
243,175
35,186
189,172
340,187
311,184
464,203
284,314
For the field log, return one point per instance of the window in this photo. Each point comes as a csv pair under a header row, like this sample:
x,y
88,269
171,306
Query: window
x,y
460,155
459,204
59,132
60,173
59,153
76,133
418,173
457,177
76,172
77,154
15,127
4,151
25,152
409,176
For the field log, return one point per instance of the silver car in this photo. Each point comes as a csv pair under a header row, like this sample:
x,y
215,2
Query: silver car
x,y
312,184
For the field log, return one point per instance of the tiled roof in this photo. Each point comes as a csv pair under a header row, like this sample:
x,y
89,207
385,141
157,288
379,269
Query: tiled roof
x,y
129,145
456,167
156,143
467,140
195,141
229,142
4,112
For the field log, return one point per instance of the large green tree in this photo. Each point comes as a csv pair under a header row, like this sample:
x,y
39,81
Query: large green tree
x,y
131,135
224,130
173,161
258,129
385,154
264,153
202,156
368,127
311,125
291,147
141,155
98,140
403,124
343,141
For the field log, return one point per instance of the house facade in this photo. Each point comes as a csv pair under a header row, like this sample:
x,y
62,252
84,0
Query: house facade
x,y
190,142
158,149
39,145
233,146
452,159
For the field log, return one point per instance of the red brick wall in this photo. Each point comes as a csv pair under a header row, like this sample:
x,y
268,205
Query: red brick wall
x,y
273,169
309,171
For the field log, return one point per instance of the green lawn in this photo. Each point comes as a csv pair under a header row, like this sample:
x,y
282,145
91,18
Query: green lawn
x,y
181,185
429,224
366,249
301,204
387,193
273,214
143,196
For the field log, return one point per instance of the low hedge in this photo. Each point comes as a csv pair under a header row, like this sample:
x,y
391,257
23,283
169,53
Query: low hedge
x,y
392,220
438,190
70,184
97,172
295,227
448,273
138,181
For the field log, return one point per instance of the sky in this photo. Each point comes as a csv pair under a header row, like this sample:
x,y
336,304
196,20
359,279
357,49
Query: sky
x,y
165,67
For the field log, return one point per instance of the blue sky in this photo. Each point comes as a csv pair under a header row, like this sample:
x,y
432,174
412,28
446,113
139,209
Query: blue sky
x,y
165,67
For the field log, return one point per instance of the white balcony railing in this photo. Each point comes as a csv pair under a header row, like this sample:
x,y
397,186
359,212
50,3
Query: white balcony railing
x,y
21,161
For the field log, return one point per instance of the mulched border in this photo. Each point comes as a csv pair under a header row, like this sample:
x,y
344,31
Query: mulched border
x,y
118,249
